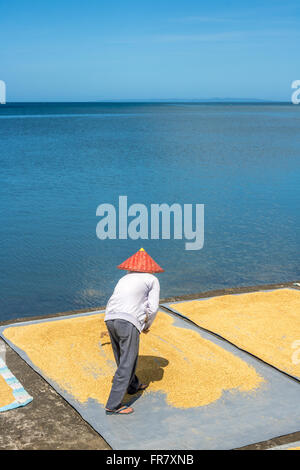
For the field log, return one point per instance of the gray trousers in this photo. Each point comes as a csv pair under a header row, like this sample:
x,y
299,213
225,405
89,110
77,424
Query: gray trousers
x,y
125,339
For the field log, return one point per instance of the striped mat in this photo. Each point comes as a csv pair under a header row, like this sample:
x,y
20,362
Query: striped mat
x,y
19,394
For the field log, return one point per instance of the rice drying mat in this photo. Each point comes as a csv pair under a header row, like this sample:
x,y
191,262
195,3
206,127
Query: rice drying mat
x,y
264,323
203,392
12,392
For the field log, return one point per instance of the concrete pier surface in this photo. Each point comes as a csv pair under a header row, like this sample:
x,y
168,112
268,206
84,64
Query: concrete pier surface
x,y
49,422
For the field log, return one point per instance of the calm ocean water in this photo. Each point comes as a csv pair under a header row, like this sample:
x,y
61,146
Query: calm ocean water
x,y
60,161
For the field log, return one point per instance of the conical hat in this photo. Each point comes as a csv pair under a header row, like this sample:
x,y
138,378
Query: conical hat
x,y
141,262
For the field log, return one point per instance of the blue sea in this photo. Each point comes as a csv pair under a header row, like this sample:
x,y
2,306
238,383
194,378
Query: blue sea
x,y
60,161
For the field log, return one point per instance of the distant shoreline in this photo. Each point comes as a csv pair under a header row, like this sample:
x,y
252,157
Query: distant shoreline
x,y
155,101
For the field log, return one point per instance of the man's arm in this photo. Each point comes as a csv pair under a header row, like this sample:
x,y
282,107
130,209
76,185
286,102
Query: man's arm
x,y
153,303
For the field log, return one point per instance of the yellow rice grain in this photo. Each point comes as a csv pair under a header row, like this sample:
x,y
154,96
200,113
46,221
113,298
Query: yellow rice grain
x,y
76,353
6,393
266,324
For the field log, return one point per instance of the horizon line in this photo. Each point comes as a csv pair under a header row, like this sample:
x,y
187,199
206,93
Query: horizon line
x,y
151,100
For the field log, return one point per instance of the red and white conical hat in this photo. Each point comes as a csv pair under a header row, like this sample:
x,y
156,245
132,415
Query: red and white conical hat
x,y
141,262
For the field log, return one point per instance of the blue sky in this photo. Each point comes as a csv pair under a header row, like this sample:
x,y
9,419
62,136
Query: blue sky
x,y
101,50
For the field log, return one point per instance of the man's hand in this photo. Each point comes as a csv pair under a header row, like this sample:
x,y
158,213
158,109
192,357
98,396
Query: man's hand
x,y
146,331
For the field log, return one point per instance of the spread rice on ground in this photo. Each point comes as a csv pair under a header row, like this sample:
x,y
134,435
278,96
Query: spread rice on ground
x,y
266,324
76,353
6,393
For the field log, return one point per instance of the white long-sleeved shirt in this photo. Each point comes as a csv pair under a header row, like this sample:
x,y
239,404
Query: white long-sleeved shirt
x,y
135,299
